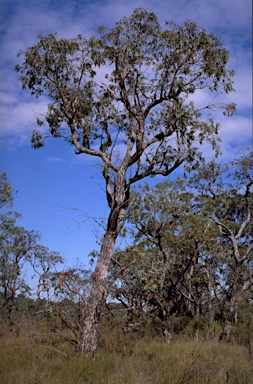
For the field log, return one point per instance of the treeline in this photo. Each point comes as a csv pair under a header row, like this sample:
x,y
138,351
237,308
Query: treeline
x,y
189,265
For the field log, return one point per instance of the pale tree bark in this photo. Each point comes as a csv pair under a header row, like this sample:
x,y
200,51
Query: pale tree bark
x,y
90,334
166,327
93,307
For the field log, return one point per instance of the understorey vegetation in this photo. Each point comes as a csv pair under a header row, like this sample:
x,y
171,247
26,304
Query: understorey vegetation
x,y
35,353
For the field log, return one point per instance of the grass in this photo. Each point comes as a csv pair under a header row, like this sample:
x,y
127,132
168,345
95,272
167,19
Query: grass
x,y
32,354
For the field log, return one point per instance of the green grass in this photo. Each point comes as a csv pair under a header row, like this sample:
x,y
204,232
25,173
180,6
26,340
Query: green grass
x,y
31,354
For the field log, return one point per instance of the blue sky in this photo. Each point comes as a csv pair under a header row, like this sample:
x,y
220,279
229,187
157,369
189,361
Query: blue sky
x,y
53,179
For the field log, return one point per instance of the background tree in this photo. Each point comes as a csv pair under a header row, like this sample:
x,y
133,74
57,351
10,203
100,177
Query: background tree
x,y
229,204
44,264
19,249
139,121
15,244
71,291
172,267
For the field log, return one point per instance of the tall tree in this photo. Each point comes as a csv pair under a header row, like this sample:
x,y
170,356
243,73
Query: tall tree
x,y
139,121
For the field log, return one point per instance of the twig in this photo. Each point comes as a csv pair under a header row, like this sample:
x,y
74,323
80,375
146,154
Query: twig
x,y
53,349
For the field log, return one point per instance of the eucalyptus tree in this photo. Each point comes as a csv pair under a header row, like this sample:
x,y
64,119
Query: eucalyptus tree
x,y
138,120
228,199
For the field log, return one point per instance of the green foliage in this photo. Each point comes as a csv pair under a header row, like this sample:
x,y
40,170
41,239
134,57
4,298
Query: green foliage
x,y
6,191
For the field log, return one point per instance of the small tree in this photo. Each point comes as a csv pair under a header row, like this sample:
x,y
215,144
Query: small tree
x,y
138,121
15,245
173,264
19,248
44,264
71,288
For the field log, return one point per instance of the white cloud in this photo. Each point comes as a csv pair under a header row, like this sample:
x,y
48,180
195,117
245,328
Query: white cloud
x,y
8,98
243,88
237,130
19,118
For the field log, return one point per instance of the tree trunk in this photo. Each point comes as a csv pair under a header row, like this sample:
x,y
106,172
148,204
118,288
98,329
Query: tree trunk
x,y
210,333
92,310
226,333
90,334
166,328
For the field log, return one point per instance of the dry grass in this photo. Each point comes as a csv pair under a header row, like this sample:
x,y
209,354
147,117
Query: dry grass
x,y
32,354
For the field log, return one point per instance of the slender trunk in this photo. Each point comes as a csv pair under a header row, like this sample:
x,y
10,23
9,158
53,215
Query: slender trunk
x,y
210,308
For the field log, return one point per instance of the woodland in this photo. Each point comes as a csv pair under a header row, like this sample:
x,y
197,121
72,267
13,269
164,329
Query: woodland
x,y
183,284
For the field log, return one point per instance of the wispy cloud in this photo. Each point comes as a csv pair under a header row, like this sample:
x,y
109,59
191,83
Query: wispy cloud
x,y
55,159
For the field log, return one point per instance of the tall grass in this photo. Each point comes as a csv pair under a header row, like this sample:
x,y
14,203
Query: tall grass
x,y
34,354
